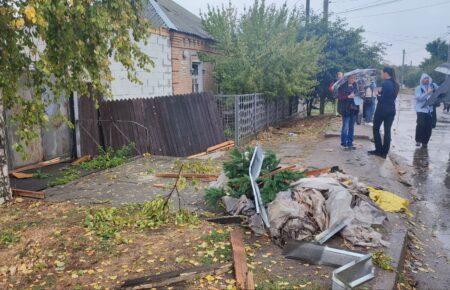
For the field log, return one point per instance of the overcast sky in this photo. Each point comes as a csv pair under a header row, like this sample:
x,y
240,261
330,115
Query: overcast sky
x,y
409,30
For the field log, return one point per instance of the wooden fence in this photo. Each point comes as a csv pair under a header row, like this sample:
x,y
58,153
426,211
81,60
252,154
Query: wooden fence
x,y
172,126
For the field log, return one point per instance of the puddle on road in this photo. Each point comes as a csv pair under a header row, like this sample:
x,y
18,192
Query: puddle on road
x,y
431,166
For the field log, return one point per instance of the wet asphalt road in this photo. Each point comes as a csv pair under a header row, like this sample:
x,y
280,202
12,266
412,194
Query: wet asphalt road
x,y
431,168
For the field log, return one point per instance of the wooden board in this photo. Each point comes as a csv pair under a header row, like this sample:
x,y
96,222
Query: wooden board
x,y
219,146
170,278
244,279
28,193
21,175
38,165
81,160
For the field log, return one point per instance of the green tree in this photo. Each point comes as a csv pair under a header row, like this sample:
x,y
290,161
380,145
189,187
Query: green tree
x,y
258,51
61,46
412,76
438,50
345,50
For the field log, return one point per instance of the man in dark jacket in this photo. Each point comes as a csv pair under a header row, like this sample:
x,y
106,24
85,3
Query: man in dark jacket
x,y
349,112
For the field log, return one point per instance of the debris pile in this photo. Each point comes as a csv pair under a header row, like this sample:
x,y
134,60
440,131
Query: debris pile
x,y
310,208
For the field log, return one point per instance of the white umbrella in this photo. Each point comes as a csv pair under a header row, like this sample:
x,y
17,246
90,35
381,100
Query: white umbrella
x,y
364,75
444,68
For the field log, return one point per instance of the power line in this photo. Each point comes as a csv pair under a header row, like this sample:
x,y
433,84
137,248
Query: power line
x,y
405,10
369,6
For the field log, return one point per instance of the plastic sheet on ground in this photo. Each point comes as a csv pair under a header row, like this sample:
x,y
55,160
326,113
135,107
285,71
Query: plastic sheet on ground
x,y
389,201
315,204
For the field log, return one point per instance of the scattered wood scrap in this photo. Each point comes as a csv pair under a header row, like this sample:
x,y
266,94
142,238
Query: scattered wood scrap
x,y
222,146
28,193
278,170
322,171
170,278
159,185
219,146
21,175
82,160
203,177
37,165
244,277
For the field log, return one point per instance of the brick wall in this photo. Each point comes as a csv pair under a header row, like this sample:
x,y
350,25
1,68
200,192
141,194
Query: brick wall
x,y
157,82
185,51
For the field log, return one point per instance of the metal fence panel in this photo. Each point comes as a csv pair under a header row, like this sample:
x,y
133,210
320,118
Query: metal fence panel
x,y
243,116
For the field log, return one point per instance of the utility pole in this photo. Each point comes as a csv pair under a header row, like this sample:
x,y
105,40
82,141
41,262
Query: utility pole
x,y
326,4
403,67
308,11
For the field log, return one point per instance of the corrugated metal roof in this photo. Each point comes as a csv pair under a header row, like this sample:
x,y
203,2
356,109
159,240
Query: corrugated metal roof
x,y
167,13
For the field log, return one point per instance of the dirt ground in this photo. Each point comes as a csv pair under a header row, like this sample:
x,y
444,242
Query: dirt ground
x,y
48,245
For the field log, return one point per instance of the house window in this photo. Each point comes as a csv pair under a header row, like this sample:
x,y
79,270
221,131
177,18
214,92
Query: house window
x,y
195,77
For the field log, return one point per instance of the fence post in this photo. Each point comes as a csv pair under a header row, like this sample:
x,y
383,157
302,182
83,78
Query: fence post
x,y
236,120
254,113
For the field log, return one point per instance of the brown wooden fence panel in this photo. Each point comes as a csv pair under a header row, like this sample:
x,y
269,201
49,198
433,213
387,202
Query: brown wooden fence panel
x,y
173,126
88,126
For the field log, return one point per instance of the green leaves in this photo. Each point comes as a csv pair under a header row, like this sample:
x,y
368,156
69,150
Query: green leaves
x,y
62,47
258,51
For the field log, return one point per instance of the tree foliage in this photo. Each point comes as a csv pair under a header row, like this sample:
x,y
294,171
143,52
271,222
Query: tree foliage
x,y
258,50
412,76
345,50
438,50
55,47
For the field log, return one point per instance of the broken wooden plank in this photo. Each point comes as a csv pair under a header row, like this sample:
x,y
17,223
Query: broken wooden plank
x,y
159,185
21,175
197,155
28,193
322,171
82,160
170,278
38,165
219,146
243,279
282,169
188,175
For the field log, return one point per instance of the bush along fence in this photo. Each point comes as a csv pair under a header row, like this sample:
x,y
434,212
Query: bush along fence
x,y
171,126
243,116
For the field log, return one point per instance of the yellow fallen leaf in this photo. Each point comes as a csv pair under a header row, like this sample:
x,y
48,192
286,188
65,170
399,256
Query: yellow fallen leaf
x,y
209,278
112,277
100,270
90,271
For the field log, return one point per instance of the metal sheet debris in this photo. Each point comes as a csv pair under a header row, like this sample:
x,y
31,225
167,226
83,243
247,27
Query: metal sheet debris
x,y
354,268
334,229
254,171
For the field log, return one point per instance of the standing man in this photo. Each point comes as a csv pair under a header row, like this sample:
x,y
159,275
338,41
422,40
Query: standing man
x,y
424,125
385,112
349,112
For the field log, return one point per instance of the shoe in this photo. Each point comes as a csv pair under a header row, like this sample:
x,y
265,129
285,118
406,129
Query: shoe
x,y
418,144
424,145
352,147
373,152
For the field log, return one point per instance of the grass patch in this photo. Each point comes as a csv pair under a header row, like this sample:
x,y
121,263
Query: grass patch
x,y
107,159
108,222
286,285
215,248
8,237
38,174
382,260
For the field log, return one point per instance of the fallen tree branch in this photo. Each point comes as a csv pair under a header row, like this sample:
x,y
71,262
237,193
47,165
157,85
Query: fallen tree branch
x,y
207,177
170,278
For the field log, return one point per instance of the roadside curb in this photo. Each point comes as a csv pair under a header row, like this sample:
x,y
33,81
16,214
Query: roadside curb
x,y
337,135
387,280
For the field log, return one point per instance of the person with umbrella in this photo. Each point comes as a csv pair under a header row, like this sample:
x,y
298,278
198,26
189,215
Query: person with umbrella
x,y
385,112
348,110
424,125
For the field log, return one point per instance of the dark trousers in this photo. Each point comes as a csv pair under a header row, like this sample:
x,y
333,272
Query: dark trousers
x,y
424,127
385,118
